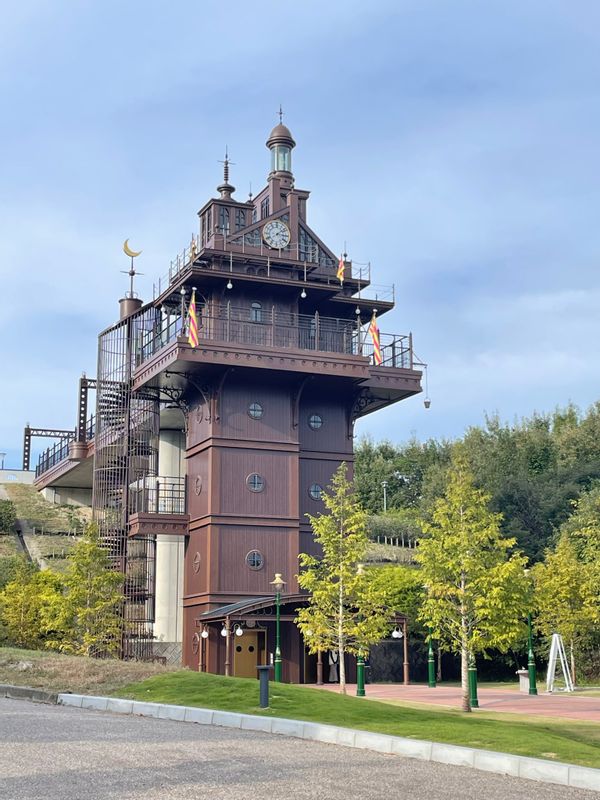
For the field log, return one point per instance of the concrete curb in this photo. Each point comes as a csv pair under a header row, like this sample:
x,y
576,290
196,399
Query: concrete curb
x,y
535,769
27,693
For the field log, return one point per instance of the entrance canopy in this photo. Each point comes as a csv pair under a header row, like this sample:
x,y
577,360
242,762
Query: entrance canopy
x,y
252,607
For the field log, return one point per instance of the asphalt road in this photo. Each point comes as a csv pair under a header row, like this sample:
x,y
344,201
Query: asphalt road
x,y
55,753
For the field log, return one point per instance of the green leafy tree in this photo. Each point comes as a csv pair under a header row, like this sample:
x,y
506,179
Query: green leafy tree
x,y
564,597
8,516
476,588
346,612
93,598
32,608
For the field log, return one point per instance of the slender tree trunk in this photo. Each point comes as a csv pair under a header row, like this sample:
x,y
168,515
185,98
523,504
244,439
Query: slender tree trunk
x,y
341,648
572,654
464,655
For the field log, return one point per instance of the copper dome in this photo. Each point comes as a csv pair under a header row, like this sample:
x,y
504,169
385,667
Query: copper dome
x,y
280,135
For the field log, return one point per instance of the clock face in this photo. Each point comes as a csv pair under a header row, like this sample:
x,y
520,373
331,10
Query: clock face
x,y
276,234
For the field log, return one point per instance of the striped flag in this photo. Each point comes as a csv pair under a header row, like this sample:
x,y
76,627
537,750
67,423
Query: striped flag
x,y
340,270
192,322
374,331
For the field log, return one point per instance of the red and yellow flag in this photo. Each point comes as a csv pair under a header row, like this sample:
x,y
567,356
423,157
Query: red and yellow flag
x,y
340,270
192,322
374,331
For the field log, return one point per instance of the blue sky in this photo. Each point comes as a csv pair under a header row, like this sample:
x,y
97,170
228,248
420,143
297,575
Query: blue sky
x,y
454,145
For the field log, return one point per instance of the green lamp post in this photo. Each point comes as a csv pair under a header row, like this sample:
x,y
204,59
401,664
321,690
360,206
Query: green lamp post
x,y
278,584
473,699
360,675
431,663
531,658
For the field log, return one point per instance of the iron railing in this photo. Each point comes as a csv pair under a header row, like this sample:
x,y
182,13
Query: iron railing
x,y
52,456
282,330
158,496
295,258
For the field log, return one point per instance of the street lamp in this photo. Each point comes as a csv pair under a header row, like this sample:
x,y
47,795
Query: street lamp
x,y
2,457
360,660
278,584
384,485
530,654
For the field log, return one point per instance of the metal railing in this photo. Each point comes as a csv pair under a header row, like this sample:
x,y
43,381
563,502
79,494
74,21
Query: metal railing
x,y
283,330
52,456
158,496
292,257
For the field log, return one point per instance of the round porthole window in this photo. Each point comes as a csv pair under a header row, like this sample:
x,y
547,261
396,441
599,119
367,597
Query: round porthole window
x,y
255,410
255,482
255,559
315,491
315,421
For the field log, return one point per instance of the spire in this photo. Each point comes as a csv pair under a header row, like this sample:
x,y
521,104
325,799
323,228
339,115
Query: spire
x,y
225,188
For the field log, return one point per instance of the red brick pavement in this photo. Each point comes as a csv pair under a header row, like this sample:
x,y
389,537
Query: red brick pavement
x,y
559,705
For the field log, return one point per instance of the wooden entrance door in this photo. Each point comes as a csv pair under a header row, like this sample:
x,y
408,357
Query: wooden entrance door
x,y
247,653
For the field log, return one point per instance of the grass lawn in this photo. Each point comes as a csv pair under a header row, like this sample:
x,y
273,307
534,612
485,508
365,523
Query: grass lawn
x,y
560,740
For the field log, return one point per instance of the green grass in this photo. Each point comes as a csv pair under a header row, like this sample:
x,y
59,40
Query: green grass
x,y
9,545
31,506
559,740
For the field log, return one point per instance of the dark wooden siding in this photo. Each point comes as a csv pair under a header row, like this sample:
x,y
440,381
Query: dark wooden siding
x,y
276,500
275,425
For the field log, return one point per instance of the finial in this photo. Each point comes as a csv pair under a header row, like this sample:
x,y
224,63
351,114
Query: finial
x,y
280,114
250,192
226,188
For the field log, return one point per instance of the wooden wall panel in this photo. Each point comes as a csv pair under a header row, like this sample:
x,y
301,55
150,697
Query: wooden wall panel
x,y
198,484
278,497
314,471
275,424
276,546
332,435
199,423
197,570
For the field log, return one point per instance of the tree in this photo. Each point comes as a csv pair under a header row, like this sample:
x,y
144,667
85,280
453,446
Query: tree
x,y
31,608
564,597
8,516
93,596
346,611
476,588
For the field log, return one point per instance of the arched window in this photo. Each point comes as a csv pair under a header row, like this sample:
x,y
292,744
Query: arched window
x,y
256,312
224,220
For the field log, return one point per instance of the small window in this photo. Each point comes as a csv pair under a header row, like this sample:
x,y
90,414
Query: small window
x,y
264,208
255,559
224,220
255,410
315,491
256,312
315,421
255,482
240,219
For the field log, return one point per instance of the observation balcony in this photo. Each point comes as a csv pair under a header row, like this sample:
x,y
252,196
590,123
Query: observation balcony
x,y
294,265
158,506
280,341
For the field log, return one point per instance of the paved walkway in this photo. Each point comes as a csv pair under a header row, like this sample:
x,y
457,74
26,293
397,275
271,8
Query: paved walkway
x,y
59,753
543,705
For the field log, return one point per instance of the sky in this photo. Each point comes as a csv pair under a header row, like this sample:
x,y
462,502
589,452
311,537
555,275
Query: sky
x,y
454,145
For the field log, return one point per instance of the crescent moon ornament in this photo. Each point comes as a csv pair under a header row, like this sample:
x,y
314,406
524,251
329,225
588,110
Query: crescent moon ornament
x,y
128,251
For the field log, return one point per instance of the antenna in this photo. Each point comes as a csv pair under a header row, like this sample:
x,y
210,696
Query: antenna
x,y
226,164
280,114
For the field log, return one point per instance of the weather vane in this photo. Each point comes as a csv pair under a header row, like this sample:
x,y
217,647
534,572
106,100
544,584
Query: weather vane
x,y
280,114
131,272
